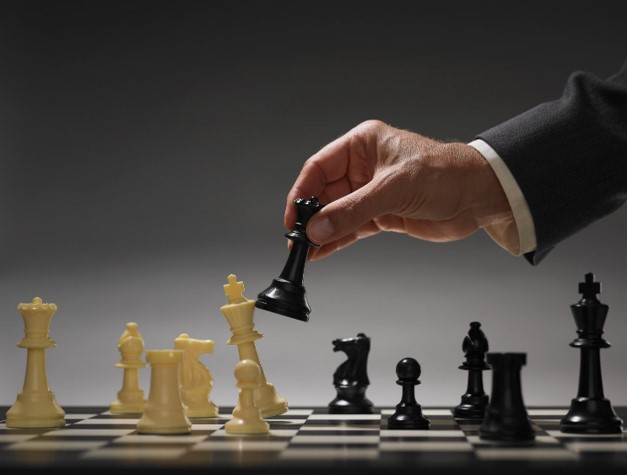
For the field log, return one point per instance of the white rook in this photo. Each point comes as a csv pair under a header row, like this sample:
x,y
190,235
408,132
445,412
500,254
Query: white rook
x,y
164,412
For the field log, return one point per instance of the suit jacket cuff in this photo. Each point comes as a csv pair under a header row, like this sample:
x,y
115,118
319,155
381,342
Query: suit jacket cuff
x,y
569,156
517,202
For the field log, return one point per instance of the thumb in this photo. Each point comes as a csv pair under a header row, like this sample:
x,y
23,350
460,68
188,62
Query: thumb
x,y
349,213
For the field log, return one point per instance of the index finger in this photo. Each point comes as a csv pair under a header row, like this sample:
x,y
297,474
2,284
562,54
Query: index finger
x,y
326,166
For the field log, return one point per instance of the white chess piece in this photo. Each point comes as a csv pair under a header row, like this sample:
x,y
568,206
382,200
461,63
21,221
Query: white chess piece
x,y
239,312
195,379
164,412
131,397
36,406
246,415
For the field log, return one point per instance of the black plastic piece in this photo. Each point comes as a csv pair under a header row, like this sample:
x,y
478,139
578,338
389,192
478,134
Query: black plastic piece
x,y
590,412
286,295
474,403
506,417
351,377
408,414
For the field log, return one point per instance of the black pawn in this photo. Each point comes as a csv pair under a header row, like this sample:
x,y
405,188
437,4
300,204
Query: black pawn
x,y
408,413
590,412
475,401
506,417
286,295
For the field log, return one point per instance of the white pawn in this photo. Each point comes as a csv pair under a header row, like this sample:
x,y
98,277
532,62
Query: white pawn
x,y
164,412
246,416
131,397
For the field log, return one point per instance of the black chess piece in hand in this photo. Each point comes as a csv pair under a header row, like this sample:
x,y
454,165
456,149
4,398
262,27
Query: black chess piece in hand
x,y
590,412
475,401
408,413
286,295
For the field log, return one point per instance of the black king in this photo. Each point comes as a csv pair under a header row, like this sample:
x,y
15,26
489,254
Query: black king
x,y
590,412
286,295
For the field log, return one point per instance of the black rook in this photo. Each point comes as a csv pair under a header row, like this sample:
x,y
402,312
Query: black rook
x,y
506,417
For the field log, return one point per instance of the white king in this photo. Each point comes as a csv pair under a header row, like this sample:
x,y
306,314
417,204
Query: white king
x,y
239,313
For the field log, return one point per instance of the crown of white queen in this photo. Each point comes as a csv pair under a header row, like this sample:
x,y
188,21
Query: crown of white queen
x,y
36,316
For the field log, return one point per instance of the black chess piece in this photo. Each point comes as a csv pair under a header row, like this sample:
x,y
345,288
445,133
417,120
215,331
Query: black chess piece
x,y
506,417
475,401
590,412
408,414
351,377
286,295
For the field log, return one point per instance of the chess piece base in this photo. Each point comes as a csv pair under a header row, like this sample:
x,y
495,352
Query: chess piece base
x,y
506,429
197,403
471,407
128,402
269,402
285,298
148,426
410,418
351,400
591,416
246,425
163,420
34,411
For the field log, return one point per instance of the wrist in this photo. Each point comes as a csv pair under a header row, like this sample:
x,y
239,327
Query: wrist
x,y
488,201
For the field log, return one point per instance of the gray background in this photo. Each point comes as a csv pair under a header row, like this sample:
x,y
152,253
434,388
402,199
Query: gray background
x,y
146,150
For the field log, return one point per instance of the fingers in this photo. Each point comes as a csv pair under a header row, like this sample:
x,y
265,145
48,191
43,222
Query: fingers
x,y
447,230
341,175
338,168
352,212
325,167
376,178
370,229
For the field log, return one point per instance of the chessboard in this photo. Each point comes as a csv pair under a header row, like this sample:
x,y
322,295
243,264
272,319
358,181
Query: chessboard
x,y
306,440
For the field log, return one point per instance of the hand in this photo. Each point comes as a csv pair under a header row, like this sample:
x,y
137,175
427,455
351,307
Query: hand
x,y
378,178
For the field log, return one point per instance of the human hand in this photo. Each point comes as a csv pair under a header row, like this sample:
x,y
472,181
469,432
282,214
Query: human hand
x,y
378,178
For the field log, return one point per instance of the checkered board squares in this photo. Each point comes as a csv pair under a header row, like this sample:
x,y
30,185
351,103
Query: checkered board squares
x,y
305,437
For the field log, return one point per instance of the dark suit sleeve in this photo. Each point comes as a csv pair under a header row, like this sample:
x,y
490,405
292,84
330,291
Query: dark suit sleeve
x,y
569,156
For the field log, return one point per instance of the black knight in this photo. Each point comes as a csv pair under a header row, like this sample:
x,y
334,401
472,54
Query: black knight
x,y
351,377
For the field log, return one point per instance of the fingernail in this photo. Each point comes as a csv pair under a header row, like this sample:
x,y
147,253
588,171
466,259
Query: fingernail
x,y
320,230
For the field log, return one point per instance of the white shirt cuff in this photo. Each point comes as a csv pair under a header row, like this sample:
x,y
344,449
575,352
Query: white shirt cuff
x,y
520,209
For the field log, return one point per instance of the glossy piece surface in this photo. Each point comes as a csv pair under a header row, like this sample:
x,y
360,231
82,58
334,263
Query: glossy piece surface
x,y
239,312
475,401
408,414
246,415
351,377
506,417
196,381
590,412
130,399
164,412
36,406
287,295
